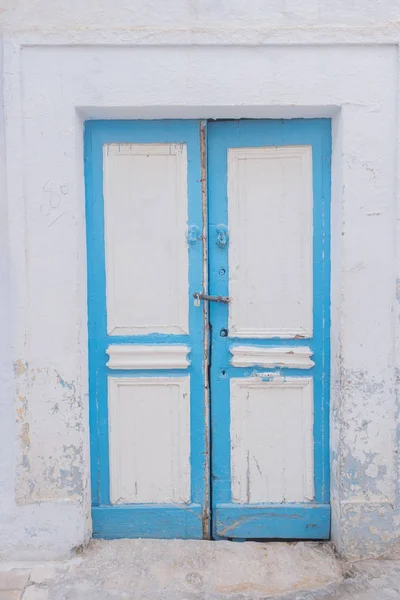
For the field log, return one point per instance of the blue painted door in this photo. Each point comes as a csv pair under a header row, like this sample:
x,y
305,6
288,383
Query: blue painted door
x,y
268,191
148,408
237,209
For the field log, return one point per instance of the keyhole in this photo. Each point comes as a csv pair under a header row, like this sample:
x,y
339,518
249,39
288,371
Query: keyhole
x,y
223,332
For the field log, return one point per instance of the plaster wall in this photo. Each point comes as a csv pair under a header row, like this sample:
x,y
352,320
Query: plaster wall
x,y
67,62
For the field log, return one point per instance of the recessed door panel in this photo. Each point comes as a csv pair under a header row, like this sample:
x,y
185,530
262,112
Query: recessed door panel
x,y
145,217
149,417
272,458
270,249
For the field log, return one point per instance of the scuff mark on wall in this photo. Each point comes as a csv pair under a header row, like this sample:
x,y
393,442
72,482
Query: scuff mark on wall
x,y
48,409
398,290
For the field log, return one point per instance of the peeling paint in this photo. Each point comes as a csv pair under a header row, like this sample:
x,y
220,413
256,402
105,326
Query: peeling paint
x,y
47,470
370,530
65,384
365,464
25,435
365,475
71,479
366,439
20,367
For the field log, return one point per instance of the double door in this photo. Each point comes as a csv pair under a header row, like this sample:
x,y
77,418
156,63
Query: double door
x,y
208,311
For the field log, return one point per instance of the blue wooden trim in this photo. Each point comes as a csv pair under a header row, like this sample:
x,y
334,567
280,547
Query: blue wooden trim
x,y
93,394
147,521
289,521
98,133
257,133
323,432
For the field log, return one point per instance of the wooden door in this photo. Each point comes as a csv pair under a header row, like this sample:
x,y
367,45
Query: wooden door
x,y
269,187
148,408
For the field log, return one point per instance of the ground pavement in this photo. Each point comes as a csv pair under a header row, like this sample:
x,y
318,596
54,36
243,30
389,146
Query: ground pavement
x,y
200,570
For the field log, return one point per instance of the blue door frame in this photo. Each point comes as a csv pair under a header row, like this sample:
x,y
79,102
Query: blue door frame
x,y
207,512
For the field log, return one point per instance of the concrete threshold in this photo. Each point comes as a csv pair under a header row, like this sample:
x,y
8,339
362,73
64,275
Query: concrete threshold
x,y
201,570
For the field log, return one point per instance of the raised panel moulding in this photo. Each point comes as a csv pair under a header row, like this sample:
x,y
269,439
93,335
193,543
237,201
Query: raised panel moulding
x,y
145,226
136,357
272,445
149,437
270,206
290,357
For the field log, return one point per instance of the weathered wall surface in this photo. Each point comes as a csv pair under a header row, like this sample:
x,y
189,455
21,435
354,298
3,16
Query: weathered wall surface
x,y
123,14
65,62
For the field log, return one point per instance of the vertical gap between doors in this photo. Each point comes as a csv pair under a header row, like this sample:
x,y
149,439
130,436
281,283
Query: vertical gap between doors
x,y
206,518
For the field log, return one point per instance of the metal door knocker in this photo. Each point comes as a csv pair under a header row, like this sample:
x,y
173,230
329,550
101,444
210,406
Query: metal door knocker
x,y
222,236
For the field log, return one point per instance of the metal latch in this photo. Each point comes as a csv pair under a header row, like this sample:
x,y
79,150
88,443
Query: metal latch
x,y
198,296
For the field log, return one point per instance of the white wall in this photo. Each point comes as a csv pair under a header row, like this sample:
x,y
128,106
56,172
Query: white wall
x,y
215,14
64,62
